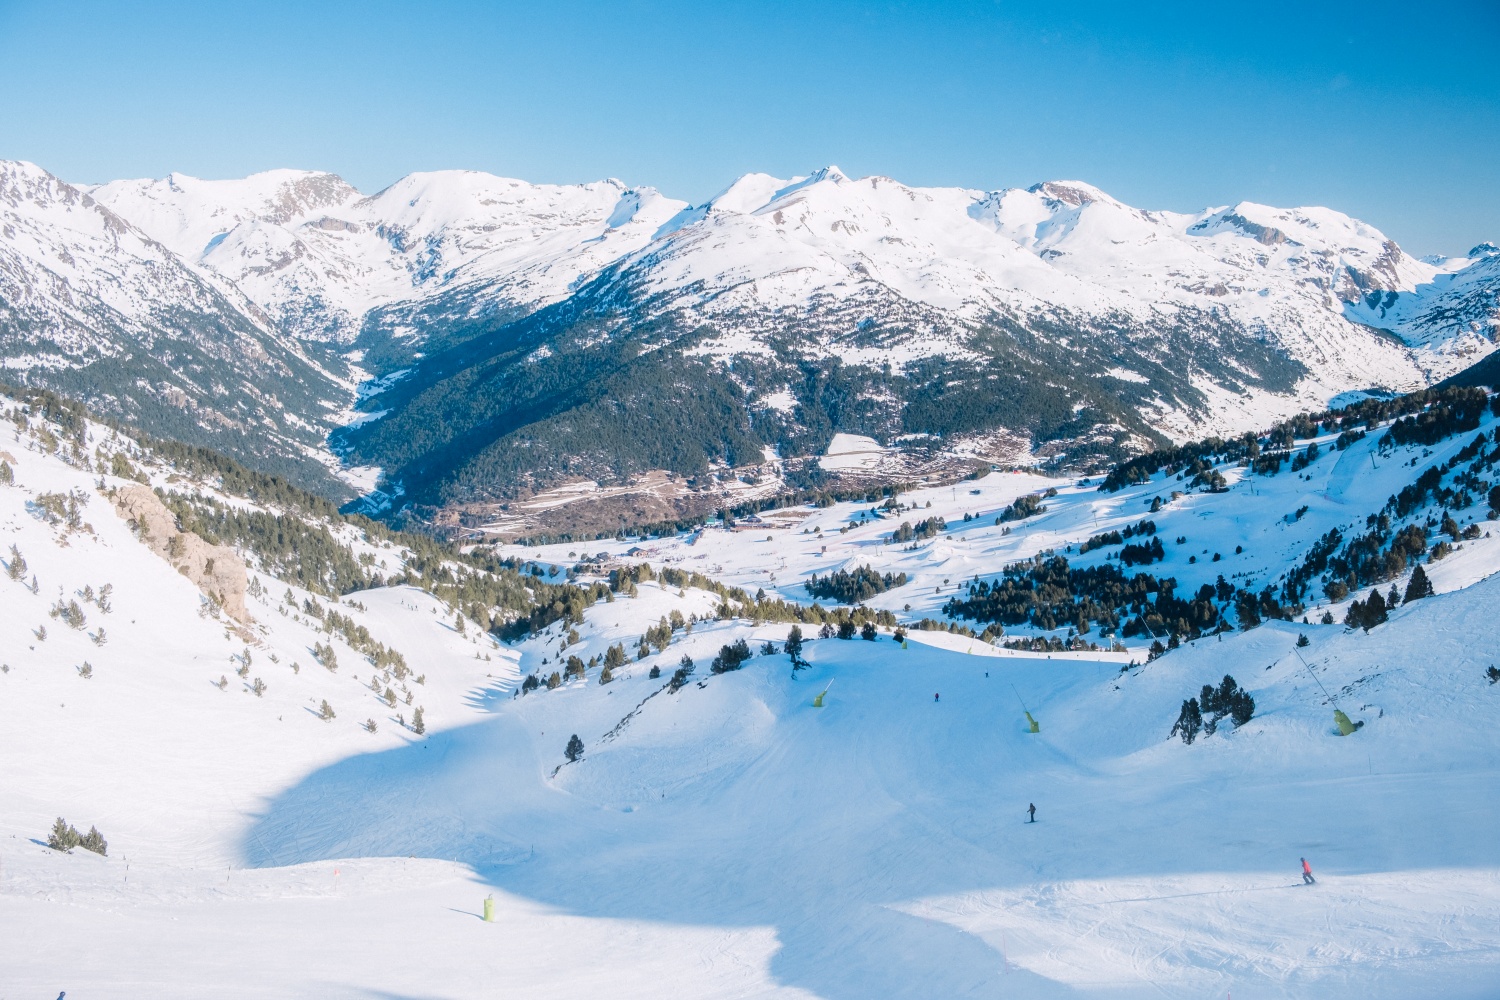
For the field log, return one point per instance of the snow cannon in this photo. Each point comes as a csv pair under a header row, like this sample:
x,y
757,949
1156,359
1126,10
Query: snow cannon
x,y
1035,726
1346,728
818,701
489,909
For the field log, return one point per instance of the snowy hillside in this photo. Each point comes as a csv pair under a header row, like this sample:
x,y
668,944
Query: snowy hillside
x,y
92,306
718,835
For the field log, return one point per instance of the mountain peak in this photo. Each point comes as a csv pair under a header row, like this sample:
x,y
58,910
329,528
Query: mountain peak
x,y
1074,193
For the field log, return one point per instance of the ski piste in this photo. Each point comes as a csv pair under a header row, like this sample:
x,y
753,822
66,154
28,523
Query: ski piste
x,y
731,839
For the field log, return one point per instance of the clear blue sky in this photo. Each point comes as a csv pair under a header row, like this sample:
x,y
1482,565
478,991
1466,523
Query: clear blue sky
x,y
1390,112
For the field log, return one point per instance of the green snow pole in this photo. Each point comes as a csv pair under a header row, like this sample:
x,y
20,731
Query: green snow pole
x,y
489,909
818,701
1033,725
1346,728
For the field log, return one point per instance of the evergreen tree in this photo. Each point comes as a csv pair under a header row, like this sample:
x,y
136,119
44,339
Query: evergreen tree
x,y
1418,587
867,631
731,657
63,837
847,629
574,749
17,568
325,711
417,725
606,676
655,672
1189,721
614,656
794,646
681,674
94,841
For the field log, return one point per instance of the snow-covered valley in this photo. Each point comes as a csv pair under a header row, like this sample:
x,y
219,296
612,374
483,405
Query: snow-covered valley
x,y
719,835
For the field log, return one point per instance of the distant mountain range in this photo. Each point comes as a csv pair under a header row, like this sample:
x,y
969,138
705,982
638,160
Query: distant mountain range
x,y
516,337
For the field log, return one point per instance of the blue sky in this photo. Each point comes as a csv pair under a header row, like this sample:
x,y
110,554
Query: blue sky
x,y
1380,110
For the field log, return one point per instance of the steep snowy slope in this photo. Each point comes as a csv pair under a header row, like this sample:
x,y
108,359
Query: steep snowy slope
x,y
92,306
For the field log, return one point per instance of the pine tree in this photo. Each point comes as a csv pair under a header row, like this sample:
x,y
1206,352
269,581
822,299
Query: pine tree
x,y
867,631
793,646
1418,587
1189,721
94,841
1375,613
325,711
417,725
574,749
17,568
1241,708
63,837
847,629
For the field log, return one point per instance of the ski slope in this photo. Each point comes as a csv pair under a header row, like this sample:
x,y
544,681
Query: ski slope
x,y
728,839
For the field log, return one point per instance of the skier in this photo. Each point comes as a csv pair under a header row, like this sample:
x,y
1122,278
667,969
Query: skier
x,y
1307,876
936,698
1031,810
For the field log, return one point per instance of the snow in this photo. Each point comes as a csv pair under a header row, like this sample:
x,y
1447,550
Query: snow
x,y
729,839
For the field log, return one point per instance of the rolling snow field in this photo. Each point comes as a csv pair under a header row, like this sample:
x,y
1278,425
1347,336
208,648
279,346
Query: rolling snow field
x,y
729,839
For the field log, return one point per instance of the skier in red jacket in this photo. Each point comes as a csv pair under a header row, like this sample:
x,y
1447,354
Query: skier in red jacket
x,y
1307,878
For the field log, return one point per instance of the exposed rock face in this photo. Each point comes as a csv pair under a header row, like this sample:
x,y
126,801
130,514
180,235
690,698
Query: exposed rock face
x,y
217,570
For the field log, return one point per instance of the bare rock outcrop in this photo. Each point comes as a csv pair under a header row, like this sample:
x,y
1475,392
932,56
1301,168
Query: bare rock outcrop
x,y
217,570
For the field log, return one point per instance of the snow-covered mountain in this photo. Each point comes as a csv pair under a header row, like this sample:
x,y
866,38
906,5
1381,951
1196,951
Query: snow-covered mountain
x,y
92,306
1047,323
318,256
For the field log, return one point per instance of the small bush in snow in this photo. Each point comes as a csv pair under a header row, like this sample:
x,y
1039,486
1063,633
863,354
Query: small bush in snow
x,y
655,672
86,671
369,725
258,688
574,749
867,631
325,711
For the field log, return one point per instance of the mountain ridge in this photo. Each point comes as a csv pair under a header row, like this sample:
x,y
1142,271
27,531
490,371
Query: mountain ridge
x,y
1047,324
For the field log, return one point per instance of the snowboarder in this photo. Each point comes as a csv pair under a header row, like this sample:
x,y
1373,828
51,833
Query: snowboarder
x,y
1031,810
1307,876
935,697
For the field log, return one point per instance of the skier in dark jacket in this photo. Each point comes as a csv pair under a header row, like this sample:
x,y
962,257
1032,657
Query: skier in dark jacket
x,y
936,698
1307,878
1031,809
